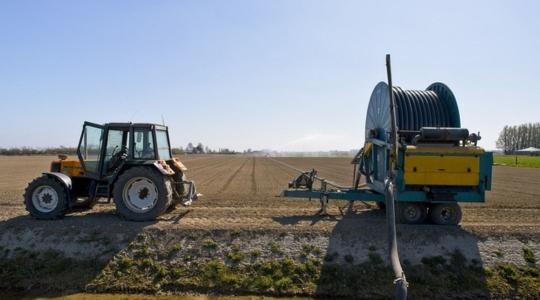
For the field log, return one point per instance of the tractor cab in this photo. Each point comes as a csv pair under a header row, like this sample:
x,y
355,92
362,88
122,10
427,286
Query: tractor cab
x,y
103,149
131,163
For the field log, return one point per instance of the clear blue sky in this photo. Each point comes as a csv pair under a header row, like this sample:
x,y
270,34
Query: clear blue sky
x,y
287,75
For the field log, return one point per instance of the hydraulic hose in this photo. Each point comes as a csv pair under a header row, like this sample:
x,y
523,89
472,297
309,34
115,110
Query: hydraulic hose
x,y
400,281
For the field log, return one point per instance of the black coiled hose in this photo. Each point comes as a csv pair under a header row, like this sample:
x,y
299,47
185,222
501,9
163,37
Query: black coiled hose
x,y
434,107
417,109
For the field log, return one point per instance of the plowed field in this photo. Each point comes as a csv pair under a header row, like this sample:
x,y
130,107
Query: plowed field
x,y
242,192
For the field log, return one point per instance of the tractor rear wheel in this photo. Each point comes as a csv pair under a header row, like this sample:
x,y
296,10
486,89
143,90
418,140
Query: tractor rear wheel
x,y
411,212
445,213
46,198
142,194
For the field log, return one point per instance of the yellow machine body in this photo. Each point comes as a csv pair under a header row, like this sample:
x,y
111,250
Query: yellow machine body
x,y
443,166
70,167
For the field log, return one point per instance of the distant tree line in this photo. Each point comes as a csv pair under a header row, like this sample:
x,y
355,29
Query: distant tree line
x,y
200,149
513,138
34,151
190,149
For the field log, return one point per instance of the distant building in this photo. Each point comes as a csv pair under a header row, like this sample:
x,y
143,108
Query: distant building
x,y
529,151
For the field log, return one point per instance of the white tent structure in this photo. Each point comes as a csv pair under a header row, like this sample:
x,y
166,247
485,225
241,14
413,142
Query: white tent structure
x,y
529,151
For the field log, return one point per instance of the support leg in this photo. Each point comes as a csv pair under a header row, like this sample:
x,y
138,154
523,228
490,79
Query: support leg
x,y
324,205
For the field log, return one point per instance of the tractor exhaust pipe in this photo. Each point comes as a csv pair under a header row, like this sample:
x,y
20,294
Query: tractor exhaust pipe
x,y
400,281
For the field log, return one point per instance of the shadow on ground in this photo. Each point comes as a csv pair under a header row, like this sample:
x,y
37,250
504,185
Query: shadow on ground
x,y
439,261
59,257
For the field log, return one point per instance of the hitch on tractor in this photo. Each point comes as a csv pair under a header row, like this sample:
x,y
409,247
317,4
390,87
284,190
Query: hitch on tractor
x,y
191,195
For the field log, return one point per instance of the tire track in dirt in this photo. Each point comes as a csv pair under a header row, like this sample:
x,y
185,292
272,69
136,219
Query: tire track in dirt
x,y
268,181
253,179
214,163
217,170
231,178
276,181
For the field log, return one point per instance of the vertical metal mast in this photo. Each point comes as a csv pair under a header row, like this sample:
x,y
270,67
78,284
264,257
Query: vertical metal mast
x,y
400,281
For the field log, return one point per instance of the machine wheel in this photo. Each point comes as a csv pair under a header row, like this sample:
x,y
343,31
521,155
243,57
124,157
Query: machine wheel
x,y
46,198
411,212
142,194
445,214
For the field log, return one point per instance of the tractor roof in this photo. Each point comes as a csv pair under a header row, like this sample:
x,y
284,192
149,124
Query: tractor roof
x,y
129,124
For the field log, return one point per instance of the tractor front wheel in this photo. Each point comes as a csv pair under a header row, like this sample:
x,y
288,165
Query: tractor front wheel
x,y
445,213
142,194
411,212
46,198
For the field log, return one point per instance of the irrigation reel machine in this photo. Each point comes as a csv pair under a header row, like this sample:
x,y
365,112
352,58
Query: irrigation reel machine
x,y
417,162
413,137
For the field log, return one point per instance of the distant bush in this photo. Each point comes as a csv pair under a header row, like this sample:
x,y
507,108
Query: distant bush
x,y
178,151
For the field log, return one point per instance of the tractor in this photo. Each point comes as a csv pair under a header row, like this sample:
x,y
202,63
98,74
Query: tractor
x,y
131,163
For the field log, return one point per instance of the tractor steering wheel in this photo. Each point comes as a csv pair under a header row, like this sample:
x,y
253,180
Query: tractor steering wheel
x,y
117,158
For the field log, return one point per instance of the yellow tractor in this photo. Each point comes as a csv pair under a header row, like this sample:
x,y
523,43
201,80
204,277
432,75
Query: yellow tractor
x,y
131,163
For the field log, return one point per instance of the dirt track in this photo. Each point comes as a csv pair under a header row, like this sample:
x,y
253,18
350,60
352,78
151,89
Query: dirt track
x,y
242,192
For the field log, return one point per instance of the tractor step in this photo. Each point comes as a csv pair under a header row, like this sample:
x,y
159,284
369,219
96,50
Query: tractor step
x,y
102,190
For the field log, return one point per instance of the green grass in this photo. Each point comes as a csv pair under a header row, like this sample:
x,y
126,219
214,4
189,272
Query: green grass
x,y
522,161
236,256
436,276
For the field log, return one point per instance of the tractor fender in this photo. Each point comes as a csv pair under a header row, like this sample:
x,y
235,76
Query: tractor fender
x,y
63,178
162,167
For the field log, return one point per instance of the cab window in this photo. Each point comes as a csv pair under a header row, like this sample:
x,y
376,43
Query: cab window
x,y
163,145
143,145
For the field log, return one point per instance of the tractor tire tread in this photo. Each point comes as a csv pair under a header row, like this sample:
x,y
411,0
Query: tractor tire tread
x,y
62,208
164,194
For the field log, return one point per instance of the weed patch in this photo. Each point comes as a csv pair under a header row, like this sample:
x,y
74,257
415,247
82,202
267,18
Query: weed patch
x,y
528,255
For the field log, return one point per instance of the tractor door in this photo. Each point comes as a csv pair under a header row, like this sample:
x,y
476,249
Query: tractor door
x,y
116,150
90,148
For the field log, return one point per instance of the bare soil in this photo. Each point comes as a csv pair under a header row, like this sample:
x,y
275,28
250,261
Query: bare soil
x,y
243,192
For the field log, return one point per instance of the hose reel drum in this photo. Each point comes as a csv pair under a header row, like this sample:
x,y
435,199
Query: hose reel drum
x,y
434,107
